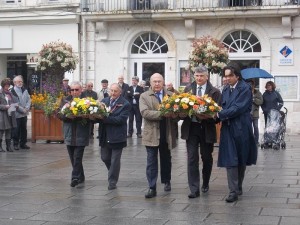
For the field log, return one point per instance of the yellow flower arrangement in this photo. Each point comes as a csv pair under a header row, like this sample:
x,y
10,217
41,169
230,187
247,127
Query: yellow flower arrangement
x,y
46,102
186,104
85,108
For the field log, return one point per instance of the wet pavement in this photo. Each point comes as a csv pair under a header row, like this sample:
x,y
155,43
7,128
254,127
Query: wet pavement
x,y
35,190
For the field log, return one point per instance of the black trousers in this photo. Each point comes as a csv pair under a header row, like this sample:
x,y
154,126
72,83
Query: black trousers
x,y
135,112
76,155
196,137
19,134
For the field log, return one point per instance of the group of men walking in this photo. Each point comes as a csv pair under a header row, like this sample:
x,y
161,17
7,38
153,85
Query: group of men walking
x,y
237,147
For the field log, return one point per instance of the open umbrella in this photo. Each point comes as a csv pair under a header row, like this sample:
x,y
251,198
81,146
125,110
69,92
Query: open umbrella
x,y
255,73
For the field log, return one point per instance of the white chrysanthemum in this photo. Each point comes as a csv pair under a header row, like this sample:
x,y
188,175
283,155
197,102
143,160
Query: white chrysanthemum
x,y
95,109
185,100
73,103
208,100
91,108
191,103
177,100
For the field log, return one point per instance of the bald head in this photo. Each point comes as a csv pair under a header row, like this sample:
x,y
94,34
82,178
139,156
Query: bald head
x,y
157,82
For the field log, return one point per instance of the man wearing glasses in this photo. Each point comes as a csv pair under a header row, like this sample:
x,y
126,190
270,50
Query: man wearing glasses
x,y
76,136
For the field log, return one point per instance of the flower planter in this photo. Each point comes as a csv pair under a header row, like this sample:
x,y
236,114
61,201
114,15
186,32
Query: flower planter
x,y
45,128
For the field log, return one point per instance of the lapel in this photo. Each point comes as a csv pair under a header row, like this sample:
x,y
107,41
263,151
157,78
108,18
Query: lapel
x,y
231,97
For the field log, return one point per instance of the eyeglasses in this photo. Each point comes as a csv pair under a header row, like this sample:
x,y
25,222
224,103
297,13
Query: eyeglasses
x,y
90,85
74,89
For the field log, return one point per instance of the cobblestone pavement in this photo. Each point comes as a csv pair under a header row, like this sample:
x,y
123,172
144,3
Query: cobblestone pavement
x,y
34,190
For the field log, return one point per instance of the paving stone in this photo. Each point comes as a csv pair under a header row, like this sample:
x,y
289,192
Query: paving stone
x,y
281,212
20,222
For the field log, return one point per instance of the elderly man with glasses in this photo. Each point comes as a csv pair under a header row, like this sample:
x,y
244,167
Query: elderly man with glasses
x,y
76,136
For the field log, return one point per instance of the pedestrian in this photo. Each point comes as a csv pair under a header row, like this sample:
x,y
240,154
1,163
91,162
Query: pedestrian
x,y
200,132
159,135
104,93
133,95
7,117
256,102
123,85
171,88
76,136
237,148
66,87
271,99
89,93
112,137
22,97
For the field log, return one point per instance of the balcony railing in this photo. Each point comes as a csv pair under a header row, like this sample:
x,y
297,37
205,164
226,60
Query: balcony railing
x,y
35,3
133,5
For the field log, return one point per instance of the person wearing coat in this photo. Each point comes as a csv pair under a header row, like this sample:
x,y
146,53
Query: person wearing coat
x,y
7,119
200,132
159,135
76,136
113,133
256,102
237,148
271,100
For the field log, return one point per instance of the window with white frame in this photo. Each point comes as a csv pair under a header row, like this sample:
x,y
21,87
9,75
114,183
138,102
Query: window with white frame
x,y
149,43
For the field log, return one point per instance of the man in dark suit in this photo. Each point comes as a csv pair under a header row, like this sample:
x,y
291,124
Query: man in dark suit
x,y
112,137
202,132
237,147
123,85
133,95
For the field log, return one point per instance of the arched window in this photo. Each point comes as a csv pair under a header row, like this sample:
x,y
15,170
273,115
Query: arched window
x,y
149,43
242,41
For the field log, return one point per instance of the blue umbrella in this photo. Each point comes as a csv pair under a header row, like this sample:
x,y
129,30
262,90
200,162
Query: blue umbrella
x,y
255,73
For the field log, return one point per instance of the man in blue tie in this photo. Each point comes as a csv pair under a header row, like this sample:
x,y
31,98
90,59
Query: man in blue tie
x,y
159,135
200,132
112,133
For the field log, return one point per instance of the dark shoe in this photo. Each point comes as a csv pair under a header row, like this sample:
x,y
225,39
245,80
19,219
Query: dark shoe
x,y
232,198
240,191
194,195
167,186
81,180
139,135
74,182
8,145
129,135
151,193
205,189
16,147
111,187
24,147
1,149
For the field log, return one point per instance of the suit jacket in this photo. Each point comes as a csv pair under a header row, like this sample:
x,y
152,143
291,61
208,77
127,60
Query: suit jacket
x,y
91,94
151,132
113,129
209,124
125,88
237,144
131,96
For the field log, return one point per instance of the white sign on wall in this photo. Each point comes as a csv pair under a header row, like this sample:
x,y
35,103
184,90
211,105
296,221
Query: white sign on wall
x,y
6,38
285,55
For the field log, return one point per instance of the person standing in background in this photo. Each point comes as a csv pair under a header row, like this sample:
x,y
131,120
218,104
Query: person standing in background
x,y
133,95
22,97
65,87
104,93
256,102
171,88
123,85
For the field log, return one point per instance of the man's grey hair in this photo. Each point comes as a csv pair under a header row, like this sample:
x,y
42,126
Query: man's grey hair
x,y
201,69
18,77
117,85
76,83
135,78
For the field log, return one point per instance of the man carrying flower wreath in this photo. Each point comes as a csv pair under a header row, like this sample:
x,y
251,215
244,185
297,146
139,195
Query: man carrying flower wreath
x,y
200,131
76,135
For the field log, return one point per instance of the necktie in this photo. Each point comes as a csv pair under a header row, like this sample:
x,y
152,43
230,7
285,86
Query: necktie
x,y
112,103
158,96
199,91
231,90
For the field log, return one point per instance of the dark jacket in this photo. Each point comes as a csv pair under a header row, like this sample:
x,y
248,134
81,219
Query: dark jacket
x,y
125,89
6,121
76,131
131,96
91,94
113,129
209,124
272,100
237,144
256,102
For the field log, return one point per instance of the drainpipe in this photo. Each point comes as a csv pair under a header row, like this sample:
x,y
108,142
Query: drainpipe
x,y
83,51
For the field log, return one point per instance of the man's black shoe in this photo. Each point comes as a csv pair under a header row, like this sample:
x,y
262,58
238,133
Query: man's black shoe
x,y
167,186
111,187
24,147
151,193
194,195
81,180
232,198
16,147
205,189
240,191
139,135
74,182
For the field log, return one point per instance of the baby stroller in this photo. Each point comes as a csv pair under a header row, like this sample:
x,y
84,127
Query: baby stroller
x,y
275,130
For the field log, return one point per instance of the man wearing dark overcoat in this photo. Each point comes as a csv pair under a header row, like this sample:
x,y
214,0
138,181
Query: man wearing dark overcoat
x,y
112,135
200,132
159,135
237,147
76,135
133,95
